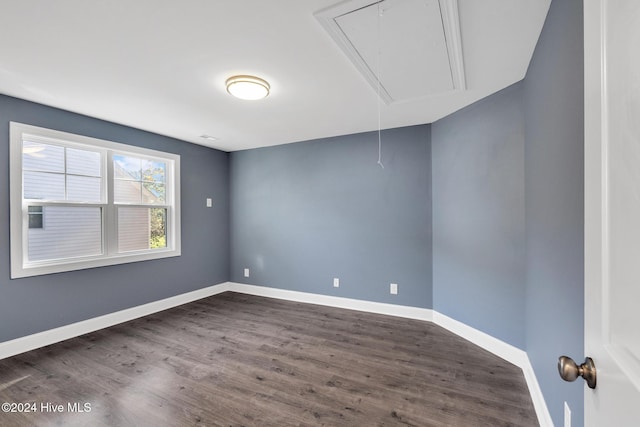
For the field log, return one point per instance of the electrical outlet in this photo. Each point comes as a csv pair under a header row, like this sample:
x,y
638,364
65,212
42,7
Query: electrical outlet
x,y
336,282
209,202
567,415
246,272
393,289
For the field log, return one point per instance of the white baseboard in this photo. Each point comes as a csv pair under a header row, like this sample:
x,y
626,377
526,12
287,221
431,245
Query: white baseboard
x,y
52,336
339,302
506,351
498,347
540,405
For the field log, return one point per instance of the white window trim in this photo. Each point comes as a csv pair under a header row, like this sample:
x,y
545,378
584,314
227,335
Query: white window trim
x,y
110,256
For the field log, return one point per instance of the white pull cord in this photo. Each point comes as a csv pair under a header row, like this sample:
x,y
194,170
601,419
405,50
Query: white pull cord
x,y
379,99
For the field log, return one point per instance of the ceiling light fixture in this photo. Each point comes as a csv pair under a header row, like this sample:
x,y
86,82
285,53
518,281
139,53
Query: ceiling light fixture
x,y
248,87
209,137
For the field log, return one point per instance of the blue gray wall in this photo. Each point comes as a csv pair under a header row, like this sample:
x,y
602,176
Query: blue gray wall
x,y
554,193
305,213
35,304
478,216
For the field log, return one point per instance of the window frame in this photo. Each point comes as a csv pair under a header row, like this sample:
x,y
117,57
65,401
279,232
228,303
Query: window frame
x,y
19,216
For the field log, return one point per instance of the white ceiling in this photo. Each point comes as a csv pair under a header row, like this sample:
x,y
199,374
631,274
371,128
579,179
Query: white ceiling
x,y
160,65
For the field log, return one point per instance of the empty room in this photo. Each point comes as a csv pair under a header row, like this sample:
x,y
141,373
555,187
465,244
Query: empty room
x,y
322,212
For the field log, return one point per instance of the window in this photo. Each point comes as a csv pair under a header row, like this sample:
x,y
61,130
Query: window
x,y
79,202
35,217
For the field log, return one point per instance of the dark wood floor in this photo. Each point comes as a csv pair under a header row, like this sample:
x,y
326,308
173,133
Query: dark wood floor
x,y
238,360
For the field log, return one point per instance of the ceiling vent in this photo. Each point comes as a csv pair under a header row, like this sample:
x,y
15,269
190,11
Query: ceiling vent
x,y
406,49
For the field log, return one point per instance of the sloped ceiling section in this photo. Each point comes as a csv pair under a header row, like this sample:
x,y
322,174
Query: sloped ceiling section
x,y
406,49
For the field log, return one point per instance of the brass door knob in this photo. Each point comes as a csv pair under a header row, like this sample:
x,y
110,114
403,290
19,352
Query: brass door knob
x,y
570,371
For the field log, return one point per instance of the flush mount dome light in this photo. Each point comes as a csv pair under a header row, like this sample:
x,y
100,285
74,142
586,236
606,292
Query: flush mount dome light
x,y
247,87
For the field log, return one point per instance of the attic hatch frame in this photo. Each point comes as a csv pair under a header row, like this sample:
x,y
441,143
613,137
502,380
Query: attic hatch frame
x,y
450,24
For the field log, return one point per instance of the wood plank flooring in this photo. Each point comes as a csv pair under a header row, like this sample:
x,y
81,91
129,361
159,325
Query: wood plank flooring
x,y
239,360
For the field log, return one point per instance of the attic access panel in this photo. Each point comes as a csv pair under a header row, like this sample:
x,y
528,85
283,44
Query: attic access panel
x,y
412,47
